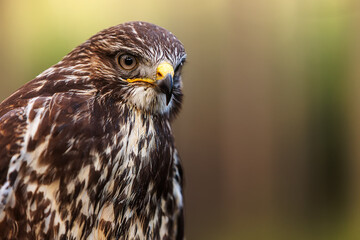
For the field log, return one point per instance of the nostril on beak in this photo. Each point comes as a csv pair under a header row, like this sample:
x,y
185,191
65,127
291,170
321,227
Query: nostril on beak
x,y
159,75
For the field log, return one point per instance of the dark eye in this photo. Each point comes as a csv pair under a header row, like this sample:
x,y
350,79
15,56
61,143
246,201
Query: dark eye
x,y
179,66
127,62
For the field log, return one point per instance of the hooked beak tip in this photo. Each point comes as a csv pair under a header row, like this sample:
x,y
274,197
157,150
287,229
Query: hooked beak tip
x,y
166,86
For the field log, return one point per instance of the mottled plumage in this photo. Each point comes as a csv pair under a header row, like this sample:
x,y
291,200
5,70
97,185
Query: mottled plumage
x,y
86,148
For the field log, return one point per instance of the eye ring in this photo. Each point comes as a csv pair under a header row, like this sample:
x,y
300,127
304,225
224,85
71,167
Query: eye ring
x,y
127,61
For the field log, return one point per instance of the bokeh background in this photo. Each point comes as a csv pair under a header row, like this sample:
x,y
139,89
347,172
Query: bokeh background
x,y
269,133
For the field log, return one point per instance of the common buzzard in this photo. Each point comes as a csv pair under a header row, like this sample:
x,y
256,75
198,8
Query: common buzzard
x,y
86,148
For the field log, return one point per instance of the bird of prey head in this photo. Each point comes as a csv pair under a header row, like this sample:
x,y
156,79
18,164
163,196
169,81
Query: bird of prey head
x,y
137,61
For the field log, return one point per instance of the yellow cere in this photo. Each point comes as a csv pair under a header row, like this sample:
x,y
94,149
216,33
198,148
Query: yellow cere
x,y
164,69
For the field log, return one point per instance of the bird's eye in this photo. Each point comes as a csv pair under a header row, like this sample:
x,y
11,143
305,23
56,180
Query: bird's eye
x,y
127,62
179,66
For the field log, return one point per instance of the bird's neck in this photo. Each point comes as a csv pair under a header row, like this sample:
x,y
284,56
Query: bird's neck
x,y
140,171
142,160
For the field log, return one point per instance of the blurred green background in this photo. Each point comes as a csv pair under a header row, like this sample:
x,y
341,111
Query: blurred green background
x,y
269,133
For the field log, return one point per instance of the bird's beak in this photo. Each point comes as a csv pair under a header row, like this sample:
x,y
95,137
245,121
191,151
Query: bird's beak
x,y
164,79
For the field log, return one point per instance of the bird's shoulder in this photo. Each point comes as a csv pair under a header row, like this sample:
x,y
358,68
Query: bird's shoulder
x,y
29,124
